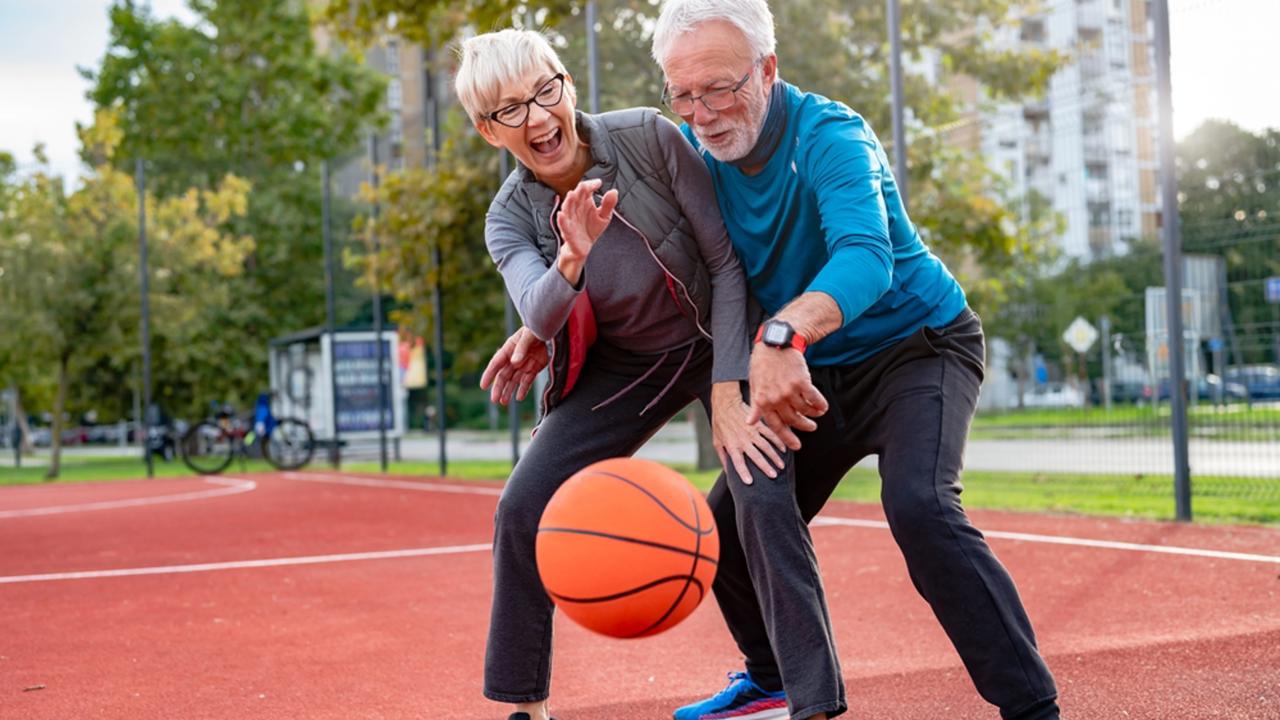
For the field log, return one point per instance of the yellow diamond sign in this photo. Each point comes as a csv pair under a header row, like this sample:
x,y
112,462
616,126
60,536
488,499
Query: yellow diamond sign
x,y
1080,335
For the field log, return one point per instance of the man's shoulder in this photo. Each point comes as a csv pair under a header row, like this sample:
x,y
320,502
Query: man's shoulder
x,y
816,116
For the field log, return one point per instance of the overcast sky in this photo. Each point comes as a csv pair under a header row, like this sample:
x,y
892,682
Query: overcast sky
x,y
1224,66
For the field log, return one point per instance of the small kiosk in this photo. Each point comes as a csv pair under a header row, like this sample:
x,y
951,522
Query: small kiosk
x,y
311,368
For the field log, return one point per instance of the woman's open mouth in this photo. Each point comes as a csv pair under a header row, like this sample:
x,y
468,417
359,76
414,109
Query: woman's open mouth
x,y
547,144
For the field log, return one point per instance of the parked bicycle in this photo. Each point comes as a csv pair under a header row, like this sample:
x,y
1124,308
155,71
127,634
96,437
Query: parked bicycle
x,y
209,447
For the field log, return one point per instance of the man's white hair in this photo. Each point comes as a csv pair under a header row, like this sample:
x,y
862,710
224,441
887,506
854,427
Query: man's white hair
x,y
678,17
492,60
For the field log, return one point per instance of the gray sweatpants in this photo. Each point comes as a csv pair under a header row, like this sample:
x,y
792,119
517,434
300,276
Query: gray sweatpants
x,y
911,405
517,666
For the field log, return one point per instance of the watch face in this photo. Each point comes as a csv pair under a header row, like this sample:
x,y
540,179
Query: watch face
x,y
776,334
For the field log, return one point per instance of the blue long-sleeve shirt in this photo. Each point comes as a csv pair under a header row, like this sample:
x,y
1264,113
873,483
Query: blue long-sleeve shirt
x,y
825,216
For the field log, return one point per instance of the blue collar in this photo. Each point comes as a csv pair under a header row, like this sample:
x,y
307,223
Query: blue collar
x,y
771,131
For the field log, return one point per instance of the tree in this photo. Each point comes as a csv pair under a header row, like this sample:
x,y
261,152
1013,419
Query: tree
x,y
421,210
75,279
242,90
1229,205
432,22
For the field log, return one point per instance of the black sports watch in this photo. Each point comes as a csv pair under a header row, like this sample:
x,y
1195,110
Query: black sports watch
x,y
779,334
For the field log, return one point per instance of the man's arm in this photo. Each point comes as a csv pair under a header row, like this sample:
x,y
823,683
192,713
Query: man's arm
x,y
842,165
782,393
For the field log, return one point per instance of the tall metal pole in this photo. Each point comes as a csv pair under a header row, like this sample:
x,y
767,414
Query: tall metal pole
x,y
509,318
1172,263
377,311
593,67
140,183
1105,324
895,75
330,314
433,86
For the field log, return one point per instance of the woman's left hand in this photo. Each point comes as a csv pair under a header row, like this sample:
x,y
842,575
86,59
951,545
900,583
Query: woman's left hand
x,y
736,440
512,369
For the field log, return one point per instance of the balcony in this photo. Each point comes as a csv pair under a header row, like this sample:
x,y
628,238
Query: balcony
x,y
1095,148
1090,14
1097,191
1092,67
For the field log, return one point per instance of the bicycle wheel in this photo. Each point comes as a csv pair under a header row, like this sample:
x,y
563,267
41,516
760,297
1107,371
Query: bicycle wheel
x,y
207,448
290,444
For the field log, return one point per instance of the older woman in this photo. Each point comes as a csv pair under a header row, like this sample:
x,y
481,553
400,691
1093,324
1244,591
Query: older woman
x,y
610,244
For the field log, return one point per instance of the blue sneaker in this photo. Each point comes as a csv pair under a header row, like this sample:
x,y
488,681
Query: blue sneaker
x,y
741,700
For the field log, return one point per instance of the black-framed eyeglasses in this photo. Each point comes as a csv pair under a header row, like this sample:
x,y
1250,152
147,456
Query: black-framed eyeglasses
x,y
714,100
515,114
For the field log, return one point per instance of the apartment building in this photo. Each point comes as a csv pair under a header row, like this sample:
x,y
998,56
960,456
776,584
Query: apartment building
x,y
1089,145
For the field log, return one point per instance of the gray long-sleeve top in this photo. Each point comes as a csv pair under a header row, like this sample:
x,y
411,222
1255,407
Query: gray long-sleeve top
x,y
627,288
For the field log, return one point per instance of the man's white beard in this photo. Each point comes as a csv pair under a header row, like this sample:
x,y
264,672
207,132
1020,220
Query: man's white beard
x,y
742,136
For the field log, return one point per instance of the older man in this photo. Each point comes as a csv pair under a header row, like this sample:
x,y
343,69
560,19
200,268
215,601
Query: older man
x,y
869,349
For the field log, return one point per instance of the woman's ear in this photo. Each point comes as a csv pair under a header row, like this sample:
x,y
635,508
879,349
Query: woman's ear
x,y
485,128
571,88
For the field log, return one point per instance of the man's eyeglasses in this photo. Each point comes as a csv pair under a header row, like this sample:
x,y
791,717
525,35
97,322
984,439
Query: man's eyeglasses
x,y
515,114
714,100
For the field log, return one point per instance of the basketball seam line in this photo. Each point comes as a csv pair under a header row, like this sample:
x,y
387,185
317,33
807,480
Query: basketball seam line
x,y
630,591
624,538
697,552
654,498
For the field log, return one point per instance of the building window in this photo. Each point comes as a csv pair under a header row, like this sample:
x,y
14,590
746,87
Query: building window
x,y
1032,30
395,133
395,95
393,57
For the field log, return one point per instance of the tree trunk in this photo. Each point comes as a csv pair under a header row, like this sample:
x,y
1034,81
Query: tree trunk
x,y
707,458
1084,379
59,404
20,416
1025,371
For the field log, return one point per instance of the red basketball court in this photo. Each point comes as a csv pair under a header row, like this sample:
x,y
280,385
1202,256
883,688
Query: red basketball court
x,y
321,595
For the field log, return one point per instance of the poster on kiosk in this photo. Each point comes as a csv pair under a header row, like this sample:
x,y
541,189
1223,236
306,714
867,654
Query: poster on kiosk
x,y
306,385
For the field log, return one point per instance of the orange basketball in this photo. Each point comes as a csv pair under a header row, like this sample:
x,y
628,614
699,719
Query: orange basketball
x,y
627,547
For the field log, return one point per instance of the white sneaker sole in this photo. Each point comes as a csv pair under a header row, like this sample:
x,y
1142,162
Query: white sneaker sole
x,y
770,714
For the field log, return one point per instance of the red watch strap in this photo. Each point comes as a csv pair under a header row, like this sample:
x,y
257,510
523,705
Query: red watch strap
x,y
797,340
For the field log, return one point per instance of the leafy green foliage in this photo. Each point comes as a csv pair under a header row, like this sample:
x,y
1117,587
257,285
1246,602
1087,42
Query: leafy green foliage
x,y
420,211
243,90
1229,183
73,292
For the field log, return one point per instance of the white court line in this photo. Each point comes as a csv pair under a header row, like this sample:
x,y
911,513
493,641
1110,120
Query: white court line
x,y
825,520
232,486
397,484
241,564
1080,542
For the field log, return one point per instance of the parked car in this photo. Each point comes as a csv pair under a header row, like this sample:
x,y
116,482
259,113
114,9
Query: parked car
x,y
1262,382
1206,388
1053,395
1122,391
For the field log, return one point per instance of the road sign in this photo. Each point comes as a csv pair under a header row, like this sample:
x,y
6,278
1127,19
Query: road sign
x,y
1273,289
1080,335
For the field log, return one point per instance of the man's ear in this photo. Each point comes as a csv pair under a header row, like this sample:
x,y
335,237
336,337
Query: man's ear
x,y
769,68
486,131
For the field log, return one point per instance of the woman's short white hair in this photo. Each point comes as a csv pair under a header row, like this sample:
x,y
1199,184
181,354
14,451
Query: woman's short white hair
x,y
492,60
678,17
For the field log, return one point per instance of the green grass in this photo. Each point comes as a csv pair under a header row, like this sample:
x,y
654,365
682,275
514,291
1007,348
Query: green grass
x,y
1215,499
1128,414
1238,422
81,469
